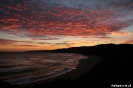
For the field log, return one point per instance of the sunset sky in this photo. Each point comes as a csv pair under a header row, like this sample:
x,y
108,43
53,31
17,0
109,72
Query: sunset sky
x,y
52,24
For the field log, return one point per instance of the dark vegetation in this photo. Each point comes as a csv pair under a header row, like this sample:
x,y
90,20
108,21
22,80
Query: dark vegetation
x,y
115,67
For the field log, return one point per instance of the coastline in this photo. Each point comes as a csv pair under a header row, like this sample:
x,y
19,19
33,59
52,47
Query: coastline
x,y
84,66
114,67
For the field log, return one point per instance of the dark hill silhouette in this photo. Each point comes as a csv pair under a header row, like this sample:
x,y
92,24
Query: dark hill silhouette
x,y
115,67
101,49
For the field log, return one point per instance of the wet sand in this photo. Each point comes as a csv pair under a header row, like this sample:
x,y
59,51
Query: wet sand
x,y
84,66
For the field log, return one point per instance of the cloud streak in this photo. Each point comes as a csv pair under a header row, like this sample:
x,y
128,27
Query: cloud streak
x,y
15,42
121,33
129,41
6,41
65,17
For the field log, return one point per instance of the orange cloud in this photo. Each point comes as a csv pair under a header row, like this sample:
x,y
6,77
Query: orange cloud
x,y
121,33
129,41
58,20
39,20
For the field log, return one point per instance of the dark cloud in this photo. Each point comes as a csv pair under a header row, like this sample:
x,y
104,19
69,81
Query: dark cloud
x,y
125,4
65,43
29,45
36,18
101,37
45,38
43,43
6,41
13,42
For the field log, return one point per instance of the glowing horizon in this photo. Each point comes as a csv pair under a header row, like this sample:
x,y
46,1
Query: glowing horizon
x,y
52,24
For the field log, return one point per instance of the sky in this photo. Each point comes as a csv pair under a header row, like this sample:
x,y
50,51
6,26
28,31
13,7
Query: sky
x,y
51,24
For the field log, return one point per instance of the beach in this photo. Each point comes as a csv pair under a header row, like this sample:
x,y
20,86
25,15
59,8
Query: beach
x,y
84,66
106,64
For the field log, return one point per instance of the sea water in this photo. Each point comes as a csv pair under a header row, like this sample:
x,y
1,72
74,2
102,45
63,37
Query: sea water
x,y
23,68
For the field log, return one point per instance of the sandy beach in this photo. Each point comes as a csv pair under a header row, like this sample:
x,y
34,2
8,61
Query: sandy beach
x,y
84,66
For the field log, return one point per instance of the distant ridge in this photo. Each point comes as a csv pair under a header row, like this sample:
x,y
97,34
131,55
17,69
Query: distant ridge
x,y
94,50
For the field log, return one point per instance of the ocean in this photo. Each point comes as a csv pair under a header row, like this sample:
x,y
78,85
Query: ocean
x,y
24,68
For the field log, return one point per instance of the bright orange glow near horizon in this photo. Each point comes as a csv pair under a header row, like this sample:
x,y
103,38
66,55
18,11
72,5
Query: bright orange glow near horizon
x,y
25,48
51,24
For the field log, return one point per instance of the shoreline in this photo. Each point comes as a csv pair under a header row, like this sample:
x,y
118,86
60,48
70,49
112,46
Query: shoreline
x,y
84,66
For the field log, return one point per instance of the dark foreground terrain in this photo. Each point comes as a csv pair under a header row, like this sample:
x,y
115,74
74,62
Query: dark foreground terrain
x,y
115,67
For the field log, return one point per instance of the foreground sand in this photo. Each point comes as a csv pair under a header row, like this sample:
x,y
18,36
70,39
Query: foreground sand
x,y
83,67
